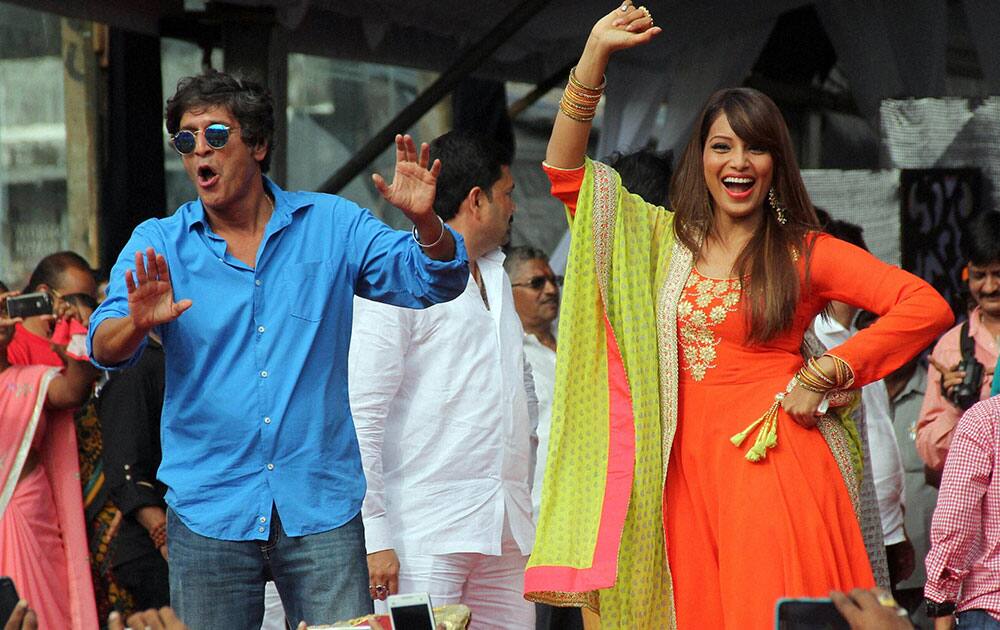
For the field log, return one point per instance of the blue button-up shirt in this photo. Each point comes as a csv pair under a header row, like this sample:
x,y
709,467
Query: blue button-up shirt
x,y
256,406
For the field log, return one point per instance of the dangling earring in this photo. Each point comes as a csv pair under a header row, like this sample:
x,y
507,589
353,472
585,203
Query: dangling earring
x,y
779,209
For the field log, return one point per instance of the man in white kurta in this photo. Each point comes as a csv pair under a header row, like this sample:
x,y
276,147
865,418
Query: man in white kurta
x,y
445,413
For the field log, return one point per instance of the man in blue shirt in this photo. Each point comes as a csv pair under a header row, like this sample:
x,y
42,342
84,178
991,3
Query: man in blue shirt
x,y
250,288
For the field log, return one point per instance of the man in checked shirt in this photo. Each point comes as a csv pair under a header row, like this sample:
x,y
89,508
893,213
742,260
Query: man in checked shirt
x,y
963,566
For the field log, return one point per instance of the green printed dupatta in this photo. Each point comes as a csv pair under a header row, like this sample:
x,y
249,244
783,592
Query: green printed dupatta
x,y
600,540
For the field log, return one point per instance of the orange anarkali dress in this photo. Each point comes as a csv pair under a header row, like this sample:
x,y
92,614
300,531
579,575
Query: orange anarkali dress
x,y
740,535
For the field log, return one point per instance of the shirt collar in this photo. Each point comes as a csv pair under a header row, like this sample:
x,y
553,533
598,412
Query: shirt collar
x,y
285,205
495,256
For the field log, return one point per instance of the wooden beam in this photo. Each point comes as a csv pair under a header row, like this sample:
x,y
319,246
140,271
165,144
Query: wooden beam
x,y
80,80
468,60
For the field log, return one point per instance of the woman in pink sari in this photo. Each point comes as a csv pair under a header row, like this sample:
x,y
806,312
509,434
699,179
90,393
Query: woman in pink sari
x,y
43,545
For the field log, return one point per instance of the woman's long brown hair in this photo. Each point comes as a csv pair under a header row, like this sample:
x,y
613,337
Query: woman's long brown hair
x,y
766,265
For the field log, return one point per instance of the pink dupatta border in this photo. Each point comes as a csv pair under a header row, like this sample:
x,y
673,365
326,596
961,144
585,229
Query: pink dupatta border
x,y
61,461
617,490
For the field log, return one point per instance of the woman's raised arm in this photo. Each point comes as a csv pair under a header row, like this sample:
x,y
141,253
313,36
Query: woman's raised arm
x,y
625,27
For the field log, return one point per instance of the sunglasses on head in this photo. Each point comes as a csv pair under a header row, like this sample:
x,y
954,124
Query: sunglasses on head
x,y
216,135
538,282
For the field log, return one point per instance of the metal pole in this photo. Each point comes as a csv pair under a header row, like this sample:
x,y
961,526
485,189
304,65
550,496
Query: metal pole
x,y
543,88
468,61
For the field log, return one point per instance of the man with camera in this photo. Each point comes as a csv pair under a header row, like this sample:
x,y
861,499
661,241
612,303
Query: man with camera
x,y
962,362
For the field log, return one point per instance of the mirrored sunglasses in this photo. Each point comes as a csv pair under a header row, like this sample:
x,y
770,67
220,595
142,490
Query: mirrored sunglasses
x,y
538,282
185,140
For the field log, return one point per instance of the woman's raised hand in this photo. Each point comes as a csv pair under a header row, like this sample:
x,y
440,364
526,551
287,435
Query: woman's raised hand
x,y
625,27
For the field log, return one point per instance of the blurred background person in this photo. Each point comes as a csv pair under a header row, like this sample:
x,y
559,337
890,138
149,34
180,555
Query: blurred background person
x,y
129,407
949,388
536,298
906,387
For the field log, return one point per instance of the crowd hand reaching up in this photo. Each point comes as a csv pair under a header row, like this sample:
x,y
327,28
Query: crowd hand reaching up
x,y
383,574
152,619
863,610
23,618
7,324
150,294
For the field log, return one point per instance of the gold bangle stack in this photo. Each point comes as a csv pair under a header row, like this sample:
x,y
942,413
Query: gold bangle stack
x,y
814,378
579,101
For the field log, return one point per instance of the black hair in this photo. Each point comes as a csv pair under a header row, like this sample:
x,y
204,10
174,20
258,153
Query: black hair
x,y
467,161
516,256
48,269
846,231
646,173
248,101
982,241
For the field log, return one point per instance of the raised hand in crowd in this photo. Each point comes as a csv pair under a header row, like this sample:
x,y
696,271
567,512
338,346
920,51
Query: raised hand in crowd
x,y
413,189
152,619
23,618
383,574
863,611
66,391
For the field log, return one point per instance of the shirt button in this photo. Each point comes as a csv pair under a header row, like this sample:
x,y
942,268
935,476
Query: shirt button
x,y
258,282
263,373
263,520
260,529
270,466
267,419
260,329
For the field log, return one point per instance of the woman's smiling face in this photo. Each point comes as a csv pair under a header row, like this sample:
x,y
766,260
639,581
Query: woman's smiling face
x,y
738,175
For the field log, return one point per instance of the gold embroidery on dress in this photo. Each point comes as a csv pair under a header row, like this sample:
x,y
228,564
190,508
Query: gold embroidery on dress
x,y
706,304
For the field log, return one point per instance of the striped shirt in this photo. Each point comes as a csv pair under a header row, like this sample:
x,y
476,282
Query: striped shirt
x,y
963,565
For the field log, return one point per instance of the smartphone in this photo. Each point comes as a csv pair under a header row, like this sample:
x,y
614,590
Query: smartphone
x,y
411,611
808,614
29,305
8,599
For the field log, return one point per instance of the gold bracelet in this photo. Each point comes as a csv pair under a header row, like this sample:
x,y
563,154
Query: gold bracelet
x,y
570,113
584,87
808,386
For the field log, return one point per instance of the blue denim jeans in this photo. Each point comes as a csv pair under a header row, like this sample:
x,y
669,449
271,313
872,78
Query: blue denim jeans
x,y
977,620
216,584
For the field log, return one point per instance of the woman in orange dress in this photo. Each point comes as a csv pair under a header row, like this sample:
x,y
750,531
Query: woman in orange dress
x,y
759,489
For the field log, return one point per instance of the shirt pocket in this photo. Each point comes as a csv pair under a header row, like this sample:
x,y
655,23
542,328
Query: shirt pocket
x,y
306,290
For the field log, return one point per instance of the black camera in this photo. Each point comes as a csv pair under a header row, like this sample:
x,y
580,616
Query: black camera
x,y
966,393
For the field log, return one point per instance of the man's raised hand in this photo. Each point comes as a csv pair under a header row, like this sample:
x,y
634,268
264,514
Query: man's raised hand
x,y
150,294
413,184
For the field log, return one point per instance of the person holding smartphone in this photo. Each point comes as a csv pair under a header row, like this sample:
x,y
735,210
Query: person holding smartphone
x,y
250,289
43,540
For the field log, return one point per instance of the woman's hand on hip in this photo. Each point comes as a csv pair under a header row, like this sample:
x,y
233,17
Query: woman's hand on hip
x,y
801,404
